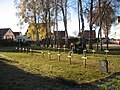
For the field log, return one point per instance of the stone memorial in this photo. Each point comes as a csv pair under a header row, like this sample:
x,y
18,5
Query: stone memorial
x,y
103,66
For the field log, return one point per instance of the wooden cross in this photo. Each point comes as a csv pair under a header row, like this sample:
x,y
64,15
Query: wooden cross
x,y
84,57
42,54
106,51
69,56
31,51
49,55
93,52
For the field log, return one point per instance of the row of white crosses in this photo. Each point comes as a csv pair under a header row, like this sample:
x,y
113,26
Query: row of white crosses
x,y
58,54
24,49
93,51
55,46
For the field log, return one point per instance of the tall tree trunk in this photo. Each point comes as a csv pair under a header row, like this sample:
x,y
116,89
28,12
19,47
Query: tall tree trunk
x,y
100,23
56,24
79,17
91,24
64,13
65,23
35,23
82,20
46,23
49,26
107,37
101,20
98,40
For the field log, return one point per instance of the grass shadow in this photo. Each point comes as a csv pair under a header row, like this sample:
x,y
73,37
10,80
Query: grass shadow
x,y
13,78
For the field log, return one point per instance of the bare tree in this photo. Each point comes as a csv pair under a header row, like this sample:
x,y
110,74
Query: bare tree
x,y
82,20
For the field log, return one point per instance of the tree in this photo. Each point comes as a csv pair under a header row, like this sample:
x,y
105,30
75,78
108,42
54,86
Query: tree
x,y
41,31
63,7
29,12
103,14
91,24
82,20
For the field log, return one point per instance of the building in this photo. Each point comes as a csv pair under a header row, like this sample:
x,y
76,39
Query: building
x,y
116,34
23,38
87,34
59,34
6,33
59,37
17,34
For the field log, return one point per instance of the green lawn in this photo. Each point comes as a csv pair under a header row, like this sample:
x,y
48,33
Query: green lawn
x,y
64,75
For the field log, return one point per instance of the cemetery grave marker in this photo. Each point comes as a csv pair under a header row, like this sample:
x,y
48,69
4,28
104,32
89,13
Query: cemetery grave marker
x,y
46,46
49,55
16,49
69,56
43,54
19,49
50,46
106,53
31,51
41,45
84,57
64,48
26,50
93,51
103,66
53,47
23,49
59,54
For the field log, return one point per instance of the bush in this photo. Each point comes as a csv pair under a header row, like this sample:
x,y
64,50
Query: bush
x,y
7,42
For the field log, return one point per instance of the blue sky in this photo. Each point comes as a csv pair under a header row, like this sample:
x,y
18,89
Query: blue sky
x,y
8,18
7,15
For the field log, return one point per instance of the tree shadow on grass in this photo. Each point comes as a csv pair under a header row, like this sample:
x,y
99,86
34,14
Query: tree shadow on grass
x,y
13,78
111,82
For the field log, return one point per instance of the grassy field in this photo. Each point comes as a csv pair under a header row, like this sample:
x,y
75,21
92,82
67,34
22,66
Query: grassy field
x,y
27,71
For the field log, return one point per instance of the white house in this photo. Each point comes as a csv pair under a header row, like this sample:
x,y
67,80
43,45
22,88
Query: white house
x,y
6,33
116,34
22,38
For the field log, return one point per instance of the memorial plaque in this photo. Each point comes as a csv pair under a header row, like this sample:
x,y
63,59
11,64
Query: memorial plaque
x,y
103,66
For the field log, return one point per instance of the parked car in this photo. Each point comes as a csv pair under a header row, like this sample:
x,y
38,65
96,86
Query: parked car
x,y
117,42
110,41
